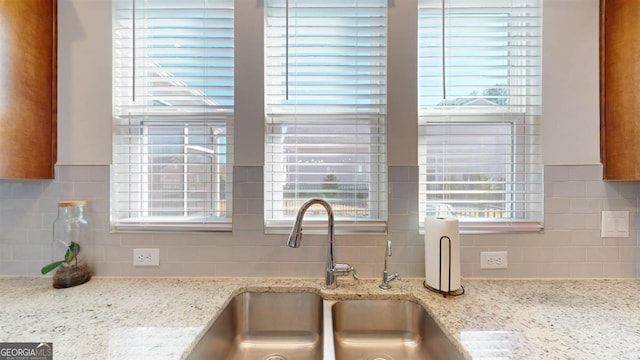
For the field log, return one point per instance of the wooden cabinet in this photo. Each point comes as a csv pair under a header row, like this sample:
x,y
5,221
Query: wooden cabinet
x,y
620,89
28,89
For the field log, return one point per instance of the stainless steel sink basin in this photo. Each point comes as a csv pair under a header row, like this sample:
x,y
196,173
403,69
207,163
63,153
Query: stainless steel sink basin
x,y
265,326
388,330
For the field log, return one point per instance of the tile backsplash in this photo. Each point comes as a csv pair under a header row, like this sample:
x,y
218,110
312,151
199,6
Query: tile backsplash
x,y
569,247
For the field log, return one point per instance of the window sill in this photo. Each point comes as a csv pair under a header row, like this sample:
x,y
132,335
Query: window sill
x,y
320,227
183,225
472,227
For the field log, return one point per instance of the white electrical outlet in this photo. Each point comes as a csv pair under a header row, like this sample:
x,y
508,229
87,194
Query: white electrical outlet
x,y
146,257
493,260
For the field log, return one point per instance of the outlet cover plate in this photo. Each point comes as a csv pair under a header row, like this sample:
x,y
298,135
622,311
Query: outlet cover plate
x,y
493,260
614,224
146,257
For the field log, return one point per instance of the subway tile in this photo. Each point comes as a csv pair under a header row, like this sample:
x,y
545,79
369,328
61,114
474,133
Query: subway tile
x,y
470,254
399,174
593,221
306,269
240,174
629,254
587,270
601,189
551,238
522,270
21,189
514,254
586,238
99,173
557,173
195,254
488,273
90,191
248,222
493,241
585,206
621,203
539,255
571,189
414,270
112,268
374,254
5,252
607,254
399,190
73,173
628,189
411,254
585,172
399,207
567,221
570,254
13,268
401,221
554,270
191,268
231,269
240,206
255,174
248,190
620,270
24,252
557,205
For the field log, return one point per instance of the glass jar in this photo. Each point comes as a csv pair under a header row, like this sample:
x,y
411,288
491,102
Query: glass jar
x,y
70,236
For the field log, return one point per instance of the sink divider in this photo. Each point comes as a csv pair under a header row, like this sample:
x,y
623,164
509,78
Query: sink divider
x,y
328,346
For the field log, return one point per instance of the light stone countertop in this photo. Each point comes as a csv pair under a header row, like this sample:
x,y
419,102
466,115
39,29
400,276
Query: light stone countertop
x,y
162,318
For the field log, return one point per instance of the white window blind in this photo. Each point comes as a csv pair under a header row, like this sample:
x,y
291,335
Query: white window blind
x,y
326,111
480,67
173,114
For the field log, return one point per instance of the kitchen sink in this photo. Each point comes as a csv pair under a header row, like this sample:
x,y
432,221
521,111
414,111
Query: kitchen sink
x,y
299,325
388,330
265,326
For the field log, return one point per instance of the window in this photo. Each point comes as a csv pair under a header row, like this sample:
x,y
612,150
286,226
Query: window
x,y
173,114
326,110
479,113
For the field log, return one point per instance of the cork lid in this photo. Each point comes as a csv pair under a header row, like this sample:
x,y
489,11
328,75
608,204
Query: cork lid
x,y
72,203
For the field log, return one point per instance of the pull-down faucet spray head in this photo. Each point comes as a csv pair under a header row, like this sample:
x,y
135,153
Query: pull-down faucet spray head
x,y
296,234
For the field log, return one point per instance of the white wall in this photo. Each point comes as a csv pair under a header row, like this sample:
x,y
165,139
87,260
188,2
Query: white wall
x,y
84,82
570,83
571,118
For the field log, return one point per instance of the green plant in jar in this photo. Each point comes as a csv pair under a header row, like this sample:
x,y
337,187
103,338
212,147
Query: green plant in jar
x,y
72,254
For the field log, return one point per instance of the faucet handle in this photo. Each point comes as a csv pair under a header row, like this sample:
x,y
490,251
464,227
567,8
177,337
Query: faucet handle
x,y
354,273
344,269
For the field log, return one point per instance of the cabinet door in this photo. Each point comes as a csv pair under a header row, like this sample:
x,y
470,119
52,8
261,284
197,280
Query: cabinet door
x,y
620,89
28,89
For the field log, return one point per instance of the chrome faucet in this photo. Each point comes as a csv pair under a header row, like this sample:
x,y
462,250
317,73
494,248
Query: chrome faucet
x,y
333,269
386,278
